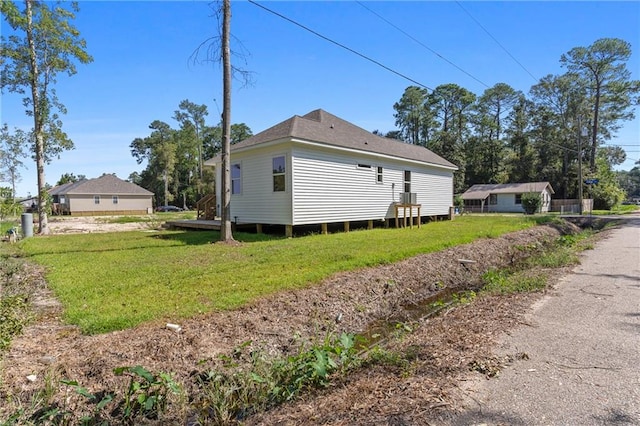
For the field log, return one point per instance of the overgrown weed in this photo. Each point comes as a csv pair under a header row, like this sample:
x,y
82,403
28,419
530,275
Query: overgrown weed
x,y
234,392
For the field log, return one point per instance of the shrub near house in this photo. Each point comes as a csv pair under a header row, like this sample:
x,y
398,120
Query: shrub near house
x,y
531,202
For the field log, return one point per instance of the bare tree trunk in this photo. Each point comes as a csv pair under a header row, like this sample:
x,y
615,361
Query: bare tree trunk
x,y
43,223
225,229
594,129
165,177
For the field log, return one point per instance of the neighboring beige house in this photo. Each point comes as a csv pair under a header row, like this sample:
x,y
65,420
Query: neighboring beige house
x,y
106,195
505,197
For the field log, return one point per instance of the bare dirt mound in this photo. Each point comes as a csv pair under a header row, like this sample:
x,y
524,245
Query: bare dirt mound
x,y
92,224
347,302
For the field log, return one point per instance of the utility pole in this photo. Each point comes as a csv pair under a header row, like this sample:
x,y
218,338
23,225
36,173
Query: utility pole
x,y
582,133
580,172
225,228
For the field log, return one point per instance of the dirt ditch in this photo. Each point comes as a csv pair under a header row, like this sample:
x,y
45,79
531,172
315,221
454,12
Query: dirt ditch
x,y
441,349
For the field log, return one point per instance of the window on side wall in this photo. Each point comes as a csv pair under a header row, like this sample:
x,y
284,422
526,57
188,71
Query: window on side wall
x,y
114,199
518,198
379,174
407,181
236,179
279,174
96,199
493,199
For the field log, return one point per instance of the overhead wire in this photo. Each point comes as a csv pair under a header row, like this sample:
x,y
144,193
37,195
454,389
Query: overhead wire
x,y
422,44
340,45
497,42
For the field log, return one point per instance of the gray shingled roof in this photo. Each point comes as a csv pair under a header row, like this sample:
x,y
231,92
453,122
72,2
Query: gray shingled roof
x,y
105,184
321,127
482,191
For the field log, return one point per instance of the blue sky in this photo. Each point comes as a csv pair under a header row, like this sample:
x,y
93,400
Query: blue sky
x,y
143,68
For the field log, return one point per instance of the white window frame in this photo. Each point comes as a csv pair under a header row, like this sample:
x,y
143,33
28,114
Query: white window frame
x,y
96,199
236,179
282,174
407,182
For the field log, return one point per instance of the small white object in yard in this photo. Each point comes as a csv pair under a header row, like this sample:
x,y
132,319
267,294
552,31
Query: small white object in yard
x,y
32,378
465,262
13,235
339,317
48,359
174,327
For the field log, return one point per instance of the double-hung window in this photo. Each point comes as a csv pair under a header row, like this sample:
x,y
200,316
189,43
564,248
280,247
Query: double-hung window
x,y
407,181
379,174
279,174
96,199
236,179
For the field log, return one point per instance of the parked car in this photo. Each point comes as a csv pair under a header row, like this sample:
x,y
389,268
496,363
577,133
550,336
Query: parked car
x,y
168,209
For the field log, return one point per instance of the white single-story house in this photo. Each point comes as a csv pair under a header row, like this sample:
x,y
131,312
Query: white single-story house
x,y
106,195
321,169
505,197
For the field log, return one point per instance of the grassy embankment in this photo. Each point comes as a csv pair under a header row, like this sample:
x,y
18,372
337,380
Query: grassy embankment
x,y
118,280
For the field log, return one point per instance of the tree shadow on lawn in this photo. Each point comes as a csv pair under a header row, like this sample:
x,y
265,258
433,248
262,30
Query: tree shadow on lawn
x,y
211,237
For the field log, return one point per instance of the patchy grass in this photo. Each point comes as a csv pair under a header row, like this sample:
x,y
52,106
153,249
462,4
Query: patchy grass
x,y
620,209
15,297
532,274
151,218
115,281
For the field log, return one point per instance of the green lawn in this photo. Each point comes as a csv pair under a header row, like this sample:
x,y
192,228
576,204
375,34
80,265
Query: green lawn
x,y
118,280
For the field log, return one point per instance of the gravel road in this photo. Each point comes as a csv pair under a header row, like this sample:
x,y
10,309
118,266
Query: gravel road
x,y
580,352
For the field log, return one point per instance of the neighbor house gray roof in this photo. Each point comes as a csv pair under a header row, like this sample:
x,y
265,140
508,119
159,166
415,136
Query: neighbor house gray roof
x,y
482,191
105,184
322,127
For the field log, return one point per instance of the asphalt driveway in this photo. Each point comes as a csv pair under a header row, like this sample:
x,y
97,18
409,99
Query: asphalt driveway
x,y
580,351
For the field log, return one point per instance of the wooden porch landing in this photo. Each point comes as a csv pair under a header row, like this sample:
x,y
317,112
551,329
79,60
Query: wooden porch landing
x,y
194,224
213,225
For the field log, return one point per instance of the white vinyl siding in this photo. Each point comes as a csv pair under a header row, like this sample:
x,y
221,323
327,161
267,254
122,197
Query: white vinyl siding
x,y
236,178
506,203
259,203
327,188
324,185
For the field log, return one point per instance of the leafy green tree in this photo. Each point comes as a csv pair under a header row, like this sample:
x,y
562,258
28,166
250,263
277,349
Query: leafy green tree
x,y
68,178
485,151
8,205
159,149
12,147
612,93
191,114
630,181
413,116
450,105
213,137
607,193
42,44
521,158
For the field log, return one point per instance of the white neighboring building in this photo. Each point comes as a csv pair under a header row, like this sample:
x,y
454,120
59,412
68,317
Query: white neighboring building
x,y
320,169
505,197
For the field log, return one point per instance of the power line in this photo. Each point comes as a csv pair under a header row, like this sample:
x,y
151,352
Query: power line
x,y
422,44
341,45
497,42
